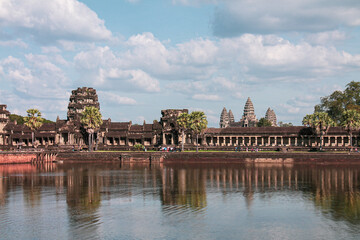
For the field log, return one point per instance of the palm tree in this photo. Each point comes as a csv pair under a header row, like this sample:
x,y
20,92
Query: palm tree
x,y
91,120
350,122
183,121
33,121
198,123
320,122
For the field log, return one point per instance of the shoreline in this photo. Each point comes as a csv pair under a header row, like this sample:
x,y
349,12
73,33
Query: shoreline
x,y
181,157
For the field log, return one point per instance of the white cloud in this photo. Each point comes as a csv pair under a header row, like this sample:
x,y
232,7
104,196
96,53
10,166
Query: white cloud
x,y
14,43
39,78
116,98
202,66
235,17
325,38
206,97
53,20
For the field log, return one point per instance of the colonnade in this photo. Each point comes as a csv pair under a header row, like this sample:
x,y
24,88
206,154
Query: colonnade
x,y
277,140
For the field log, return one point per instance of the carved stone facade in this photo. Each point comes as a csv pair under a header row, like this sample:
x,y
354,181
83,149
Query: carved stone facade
x,y
271,117
79,99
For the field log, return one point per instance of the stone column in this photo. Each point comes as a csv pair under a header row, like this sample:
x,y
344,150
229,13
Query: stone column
x,y
243,141
275,140
237,141
218,141
211,141
256,140
296,141
231,143
282,140
342,141
163,139
172,139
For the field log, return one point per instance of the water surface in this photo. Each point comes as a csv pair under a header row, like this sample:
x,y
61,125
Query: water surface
x,y
207,201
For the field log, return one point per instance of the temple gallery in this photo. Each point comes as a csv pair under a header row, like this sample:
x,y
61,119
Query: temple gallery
x,y
67,133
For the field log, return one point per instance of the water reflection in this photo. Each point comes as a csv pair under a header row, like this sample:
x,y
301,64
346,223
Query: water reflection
x,y
93,194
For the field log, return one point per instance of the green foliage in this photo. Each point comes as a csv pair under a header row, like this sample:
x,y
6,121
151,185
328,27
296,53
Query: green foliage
x,y
350,120
183,121
198,122
339,101
282,124
263,122
19,119
91,118
320,122
33,119
139,147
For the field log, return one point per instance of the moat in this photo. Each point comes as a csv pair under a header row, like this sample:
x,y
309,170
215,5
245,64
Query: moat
x,y
173,201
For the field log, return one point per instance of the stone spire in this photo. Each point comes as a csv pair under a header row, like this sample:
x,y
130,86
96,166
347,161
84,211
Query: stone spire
x,y
249,118
249,108
79,99
224,118
271,117
231,117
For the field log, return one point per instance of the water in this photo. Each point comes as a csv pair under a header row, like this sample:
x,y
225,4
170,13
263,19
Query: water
x,y
208,201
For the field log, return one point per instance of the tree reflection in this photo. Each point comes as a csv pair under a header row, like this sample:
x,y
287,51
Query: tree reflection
x,y
184,187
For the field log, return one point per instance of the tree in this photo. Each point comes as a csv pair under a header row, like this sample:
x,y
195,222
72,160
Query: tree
x,y
33,121
198,123
339,101
282,124
263,122
320,122
183,122
139,147
350,122
91,120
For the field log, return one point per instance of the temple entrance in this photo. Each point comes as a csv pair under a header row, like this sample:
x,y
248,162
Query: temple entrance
x,y
65,138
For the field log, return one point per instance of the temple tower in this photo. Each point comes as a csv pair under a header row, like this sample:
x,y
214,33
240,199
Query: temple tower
x,y
271,117
231,117
79,99
249,118
4,117
224,118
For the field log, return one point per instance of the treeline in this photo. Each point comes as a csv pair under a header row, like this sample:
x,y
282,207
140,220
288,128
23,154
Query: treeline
x,y
336,103
20,119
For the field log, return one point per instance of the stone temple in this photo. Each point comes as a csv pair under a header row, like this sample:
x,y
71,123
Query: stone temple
x,y
79,99
248,119
69,133
271,117
226,118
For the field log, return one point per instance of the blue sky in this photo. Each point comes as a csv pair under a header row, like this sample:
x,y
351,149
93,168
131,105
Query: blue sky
x,y
143,56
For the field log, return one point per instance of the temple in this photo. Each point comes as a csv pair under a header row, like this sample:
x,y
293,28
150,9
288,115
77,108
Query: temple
x,y
69,133
271,117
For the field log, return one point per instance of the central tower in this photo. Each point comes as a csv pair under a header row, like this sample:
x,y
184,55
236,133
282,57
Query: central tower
x,y
79,99
249,118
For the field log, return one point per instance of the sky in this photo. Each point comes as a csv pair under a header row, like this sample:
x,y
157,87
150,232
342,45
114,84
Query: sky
x,y
143,56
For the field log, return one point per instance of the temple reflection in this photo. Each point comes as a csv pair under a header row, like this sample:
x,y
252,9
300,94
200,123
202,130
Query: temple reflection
x,y
333,189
